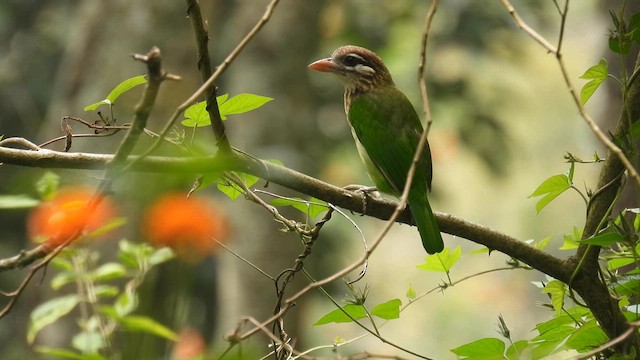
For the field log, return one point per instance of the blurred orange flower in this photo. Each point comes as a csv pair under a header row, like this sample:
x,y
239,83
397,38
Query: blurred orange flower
x,y
70,214
187,225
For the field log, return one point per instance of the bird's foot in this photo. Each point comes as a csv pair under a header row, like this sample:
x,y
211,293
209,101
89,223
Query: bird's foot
x,y
366,191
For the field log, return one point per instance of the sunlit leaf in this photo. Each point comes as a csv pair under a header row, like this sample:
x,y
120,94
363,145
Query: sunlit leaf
x,y
161,255
572,241
617,263
338,316
18,202
604,239
587,337
49,312
515,351
148,325
387,310
411,293
550,188
88,342
313,207
596,74
63,278
126,303
117,91
441,262
242,103
67,354
196,115
109,271
556,290
487,348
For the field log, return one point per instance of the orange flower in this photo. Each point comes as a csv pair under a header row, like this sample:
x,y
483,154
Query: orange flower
x,y
187,225
69,215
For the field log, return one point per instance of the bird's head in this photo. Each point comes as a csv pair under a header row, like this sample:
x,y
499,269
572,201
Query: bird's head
x,y
360,69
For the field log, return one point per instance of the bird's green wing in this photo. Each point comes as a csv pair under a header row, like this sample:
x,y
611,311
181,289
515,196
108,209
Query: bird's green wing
x,y
387,126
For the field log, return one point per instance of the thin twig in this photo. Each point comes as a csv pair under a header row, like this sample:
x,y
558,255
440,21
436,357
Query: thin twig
x,y
210,82
602,137
422,64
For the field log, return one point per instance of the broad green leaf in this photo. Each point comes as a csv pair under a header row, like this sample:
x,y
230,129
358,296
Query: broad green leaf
x,y
441,262
557,333
557,291
63,278
572,241
542,243
487,348
587,337
88,342
18,202
514,352
109,271
550,188
126,303
117,91
620,44
635,128
148,325
196,115
387,310
596,74
604,239
634,27
617,263
567,318
338,316
242,103
47,185
312,208
230,189
105,291
161,255
49,312
67,354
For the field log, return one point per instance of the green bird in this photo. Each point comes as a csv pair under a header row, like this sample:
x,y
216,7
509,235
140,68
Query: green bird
x,y
386,129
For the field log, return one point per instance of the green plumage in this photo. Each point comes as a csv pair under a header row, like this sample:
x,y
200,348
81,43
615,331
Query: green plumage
x,y
388,131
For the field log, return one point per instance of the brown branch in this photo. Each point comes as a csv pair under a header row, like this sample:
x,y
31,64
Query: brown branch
x,y
237,161
210,81
204,65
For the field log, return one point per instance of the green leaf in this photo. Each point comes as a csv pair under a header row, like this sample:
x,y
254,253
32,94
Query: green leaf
x,y
338,316
148,325
67,354
161,255
49,312
587,337
572,241
388,310
18,202
596,74
487,348
196,115
242,103
441,262
411,293
313,207
617,263
514,352
47,185
105,291
126,303
88,342
117,91
232,190
109,271
557,291
604,239
63,278
550,188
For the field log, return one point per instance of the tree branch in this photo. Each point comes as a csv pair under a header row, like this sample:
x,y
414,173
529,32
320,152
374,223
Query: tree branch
x,y
238,161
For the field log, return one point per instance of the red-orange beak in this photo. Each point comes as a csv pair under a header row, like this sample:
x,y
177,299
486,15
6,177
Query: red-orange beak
x,y
324,65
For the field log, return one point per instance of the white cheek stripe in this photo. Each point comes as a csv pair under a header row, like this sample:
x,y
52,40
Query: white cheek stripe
x,y
363,69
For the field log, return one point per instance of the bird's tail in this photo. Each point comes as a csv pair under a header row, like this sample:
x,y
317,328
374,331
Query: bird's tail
x,y
426,223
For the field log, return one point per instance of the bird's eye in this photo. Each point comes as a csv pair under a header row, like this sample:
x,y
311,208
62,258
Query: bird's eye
x,y
351,60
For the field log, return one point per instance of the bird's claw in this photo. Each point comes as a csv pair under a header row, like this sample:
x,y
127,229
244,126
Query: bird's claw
x,y
366,191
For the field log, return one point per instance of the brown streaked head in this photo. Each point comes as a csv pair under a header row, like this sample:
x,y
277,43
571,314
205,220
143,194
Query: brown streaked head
x,y
360,69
